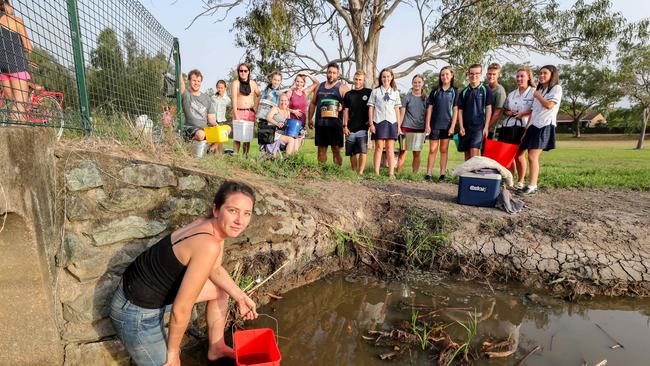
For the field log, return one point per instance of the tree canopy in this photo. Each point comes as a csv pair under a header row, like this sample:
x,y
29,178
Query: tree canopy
x,y
275,33
586,87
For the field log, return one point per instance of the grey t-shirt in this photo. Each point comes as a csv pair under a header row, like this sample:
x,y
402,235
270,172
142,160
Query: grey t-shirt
x,y
499,96
196,109
415,111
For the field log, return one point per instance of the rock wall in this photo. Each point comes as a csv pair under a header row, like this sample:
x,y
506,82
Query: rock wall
x,y
114,208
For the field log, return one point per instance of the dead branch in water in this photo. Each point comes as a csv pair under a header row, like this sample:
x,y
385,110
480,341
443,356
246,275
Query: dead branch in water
x,y
521,362
617,345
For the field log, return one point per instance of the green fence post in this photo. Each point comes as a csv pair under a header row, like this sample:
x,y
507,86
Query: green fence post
x,y
79,65
177,63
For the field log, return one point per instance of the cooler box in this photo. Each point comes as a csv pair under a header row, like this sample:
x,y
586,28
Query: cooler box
x,y
479,189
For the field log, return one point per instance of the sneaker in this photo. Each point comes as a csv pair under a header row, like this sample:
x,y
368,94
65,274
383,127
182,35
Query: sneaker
x,y
428,178
529,191
442,178
519,186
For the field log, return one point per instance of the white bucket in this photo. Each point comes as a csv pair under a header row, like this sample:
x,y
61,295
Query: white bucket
x,y
242,131
199,148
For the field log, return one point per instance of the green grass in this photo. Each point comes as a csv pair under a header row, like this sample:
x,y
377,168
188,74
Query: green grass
x,y
593,161
605,163
597,161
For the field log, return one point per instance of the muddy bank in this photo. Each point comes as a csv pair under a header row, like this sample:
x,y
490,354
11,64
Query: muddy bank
x,y
573,242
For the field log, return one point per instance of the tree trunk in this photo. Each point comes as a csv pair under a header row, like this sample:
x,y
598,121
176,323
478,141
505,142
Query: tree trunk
x,y
576,124
639,144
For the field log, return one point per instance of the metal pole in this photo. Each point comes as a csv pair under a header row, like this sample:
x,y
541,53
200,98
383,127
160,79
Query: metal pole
x,y
177,63
79,65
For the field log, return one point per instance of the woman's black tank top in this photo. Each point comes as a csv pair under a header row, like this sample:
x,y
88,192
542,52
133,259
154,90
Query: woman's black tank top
x,y
153,279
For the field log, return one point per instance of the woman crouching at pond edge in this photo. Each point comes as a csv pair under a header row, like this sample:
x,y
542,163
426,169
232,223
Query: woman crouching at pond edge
x,y
180,270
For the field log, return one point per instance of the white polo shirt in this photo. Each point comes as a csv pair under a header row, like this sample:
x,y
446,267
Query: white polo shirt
x,y
384,109
542,117
520,103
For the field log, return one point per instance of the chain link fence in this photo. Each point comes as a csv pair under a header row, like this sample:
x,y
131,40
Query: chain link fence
x,y
78,63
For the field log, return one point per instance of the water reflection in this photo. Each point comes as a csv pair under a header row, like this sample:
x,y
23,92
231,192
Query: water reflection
x,y
323,323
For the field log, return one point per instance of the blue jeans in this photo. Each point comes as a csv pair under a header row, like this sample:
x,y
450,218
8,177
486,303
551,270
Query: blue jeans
x,y
141,330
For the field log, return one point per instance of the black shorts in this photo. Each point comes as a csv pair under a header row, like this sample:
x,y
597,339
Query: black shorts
x,y
190,131
439,135
329,136
473,139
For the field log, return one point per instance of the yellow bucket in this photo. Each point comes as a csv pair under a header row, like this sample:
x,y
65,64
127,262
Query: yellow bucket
x,y
216,134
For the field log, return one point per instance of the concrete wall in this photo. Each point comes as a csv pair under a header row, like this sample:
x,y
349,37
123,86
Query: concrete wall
x,y
29,334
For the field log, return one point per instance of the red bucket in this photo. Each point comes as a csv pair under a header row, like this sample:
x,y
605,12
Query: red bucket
x,y
256,347
501,152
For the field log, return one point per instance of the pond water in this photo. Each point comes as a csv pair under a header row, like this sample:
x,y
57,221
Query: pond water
x,y
324,323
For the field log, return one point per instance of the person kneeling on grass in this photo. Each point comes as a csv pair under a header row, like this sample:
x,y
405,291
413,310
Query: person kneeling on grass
x,y
355,122
182,269
278,116
540,129
199,110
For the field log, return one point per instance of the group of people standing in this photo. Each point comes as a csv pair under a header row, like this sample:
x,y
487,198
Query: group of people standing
x,y
343,116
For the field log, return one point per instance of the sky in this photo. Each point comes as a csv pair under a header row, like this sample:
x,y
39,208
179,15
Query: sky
x,y
209,45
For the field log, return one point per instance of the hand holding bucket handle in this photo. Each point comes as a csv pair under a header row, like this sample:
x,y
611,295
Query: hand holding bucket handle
x,y
247,308
277,329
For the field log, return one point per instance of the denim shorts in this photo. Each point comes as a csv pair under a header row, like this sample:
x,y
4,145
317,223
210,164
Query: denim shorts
x,y
356,143
141,330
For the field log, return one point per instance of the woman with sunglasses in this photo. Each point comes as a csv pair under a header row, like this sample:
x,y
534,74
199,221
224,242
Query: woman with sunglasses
x,y
384,119
243,92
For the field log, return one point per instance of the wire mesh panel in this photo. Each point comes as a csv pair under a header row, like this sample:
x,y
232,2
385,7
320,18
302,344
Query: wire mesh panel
x,y
127,52
123,54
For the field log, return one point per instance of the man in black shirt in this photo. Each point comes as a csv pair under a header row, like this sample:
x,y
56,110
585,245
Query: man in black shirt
x,y
355,122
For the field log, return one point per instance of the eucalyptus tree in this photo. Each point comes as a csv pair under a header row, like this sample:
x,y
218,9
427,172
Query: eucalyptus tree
x,y
299,35
586,87
634,71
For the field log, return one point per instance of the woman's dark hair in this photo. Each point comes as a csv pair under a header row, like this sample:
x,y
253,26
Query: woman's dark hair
x,y
555,77
271,75
229,188
451,69
393,85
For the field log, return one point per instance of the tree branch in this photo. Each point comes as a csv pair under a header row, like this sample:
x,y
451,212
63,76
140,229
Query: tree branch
x,y
210,10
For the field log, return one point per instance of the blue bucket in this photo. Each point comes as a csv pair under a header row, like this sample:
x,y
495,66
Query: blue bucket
x,y
293,127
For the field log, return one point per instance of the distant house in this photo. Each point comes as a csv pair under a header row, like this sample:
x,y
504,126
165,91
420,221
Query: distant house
x,y
588,120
